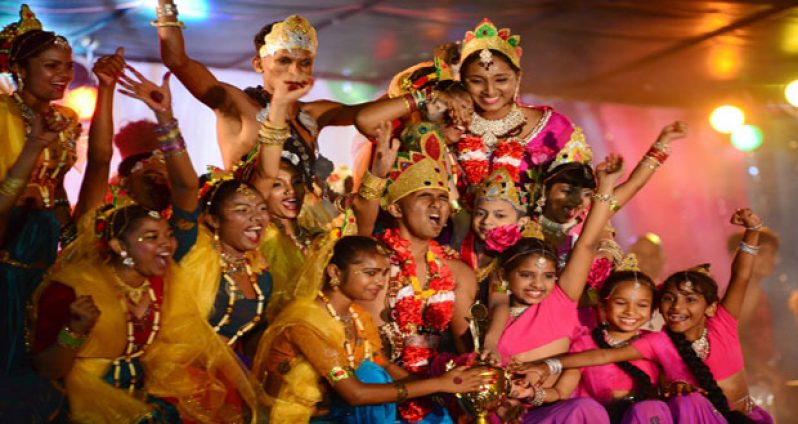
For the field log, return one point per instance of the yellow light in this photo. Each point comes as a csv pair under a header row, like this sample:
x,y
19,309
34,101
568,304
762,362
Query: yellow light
x,y
724,62
82,100
791,93
725,119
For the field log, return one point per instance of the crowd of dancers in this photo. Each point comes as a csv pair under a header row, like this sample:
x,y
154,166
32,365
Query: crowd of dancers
x,y
478,232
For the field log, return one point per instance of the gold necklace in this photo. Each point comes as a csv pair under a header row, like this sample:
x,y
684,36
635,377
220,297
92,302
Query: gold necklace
x,y
491,130
361,330
134,294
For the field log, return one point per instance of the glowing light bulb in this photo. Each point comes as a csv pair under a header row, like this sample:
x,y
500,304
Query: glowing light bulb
x,y
725,119
82,100
791,93
747,138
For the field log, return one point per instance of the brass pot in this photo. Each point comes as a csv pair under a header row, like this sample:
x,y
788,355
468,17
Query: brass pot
x,y
489,397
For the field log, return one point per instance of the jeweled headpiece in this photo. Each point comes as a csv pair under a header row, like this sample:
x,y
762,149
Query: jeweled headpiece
x,y
27,23
575,150
215,177
486,37
404,82
295,32
499,185
420,165
628,263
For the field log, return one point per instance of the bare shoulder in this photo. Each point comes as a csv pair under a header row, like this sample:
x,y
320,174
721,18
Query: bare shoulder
x,y
463,274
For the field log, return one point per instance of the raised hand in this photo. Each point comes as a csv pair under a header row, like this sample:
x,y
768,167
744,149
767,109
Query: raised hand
x,y
83,315
158,98
108,69
610,170
386,150
673,131
746,218
463,380
461,108
290,87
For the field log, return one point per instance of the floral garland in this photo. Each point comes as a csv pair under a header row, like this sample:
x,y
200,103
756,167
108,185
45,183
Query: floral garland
x,y
416,310
477,159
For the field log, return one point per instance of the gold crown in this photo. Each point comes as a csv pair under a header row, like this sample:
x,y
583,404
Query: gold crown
x,y
629,263
486,37
402,84
295,32
575,150
27,21
421,166
499,186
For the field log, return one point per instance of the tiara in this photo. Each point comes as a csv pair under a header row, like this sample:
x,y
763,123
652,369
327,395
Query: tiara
x,y
487,37
294,33
499,185
575,150
628,263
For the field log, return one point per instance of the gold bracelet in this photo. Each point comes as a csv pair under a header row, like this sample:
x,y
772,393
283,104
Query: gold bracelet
x,y
613,248
12,186
272,126
168,24
401,391
372,187
653,162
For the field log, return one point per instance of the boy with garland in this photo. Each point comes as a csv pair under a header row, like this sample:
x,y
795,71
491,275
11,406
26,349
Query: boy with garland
x,y
430,289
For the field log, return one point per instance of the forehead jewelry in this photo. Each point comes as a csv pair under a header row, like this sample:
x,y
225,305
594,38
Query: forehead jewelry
x,y
540,262
486,59
154,214
245,191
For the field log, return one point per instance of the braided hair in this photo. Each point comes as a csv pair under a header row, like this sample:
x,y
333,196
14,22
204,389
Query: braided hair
x,y
642,383
706,286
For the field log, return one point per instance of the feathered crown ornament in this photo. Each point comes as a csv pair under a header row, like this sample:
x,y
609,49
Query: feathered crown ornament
x,y
575,150
499,185
485,38
294,33
420,166
628,263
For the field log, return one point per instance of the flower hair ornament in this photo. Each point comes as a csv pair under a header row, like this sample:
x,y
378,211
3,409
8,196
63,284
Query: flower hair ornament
x,y
215,177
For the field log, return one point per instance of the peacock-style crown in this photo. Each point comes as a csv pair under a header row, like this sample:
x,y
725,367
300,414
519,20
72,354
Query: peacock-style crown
x,y
499,185
27,21
486,37
575,150
295,32
420,166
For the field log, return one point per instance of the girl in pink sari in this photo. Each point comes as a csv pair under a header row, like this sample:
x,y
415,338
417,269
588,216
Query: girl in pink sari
x,y
699,348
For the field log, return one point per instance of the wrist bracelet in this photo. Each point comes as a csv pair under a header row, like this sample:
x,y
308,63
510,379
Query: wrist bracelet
x,y
371,187
401,391
168,24
756,227
652,164
555,365
168,9
749,249
604,197
410,103
12,186
540,396
70,339
337,374
419,99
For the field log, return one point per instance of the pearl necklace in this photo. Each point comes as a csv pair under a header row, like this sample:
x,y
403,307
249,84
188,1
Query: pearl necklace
x,y
350,351
491,130
701,345
228,269
131,352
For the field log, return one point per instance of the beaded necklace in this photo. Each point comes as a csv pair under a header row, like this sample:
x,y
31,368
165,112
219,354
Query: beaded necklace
x,y
230,267
613,342
131,350
42,178
359,328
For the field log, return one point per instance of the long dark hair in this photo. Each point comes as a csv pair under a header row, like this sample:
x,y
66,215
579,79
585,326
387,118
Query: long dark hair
x,y
706,286
644,389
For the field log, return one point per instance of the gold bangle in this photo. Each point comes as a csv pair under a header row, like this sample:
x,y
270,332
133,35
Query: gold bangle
x,y
613,248
168,24
272,126
371,187
12,186
401,391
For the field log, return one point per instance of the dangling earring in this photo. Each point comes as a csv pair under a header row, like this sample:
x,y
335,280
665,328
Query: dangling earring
x,y
540,203
20,83
335,282
127,260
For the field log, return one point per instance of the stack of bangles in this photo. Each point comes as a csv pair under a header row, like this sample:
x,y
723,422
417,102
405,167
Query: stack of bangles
x,y
168,10
749,248
12,186
170,141
657,155
416,100
70,339
371,187
271,135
